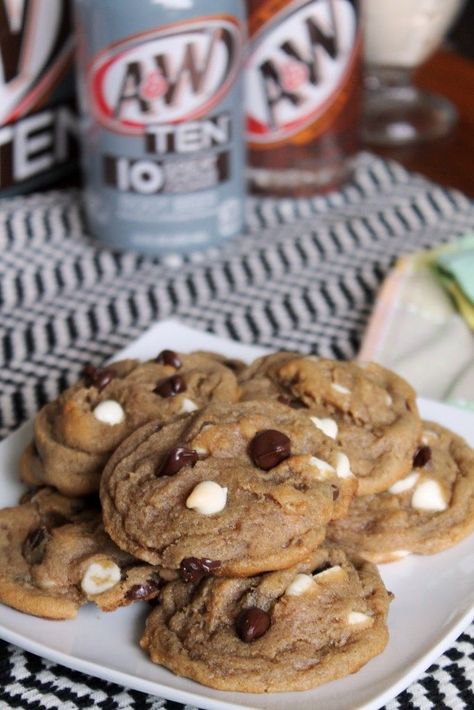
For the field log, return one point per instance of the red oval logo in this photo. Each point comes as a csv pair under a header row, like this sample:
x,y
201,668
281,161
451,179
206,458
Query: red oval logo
x,y
167,75
297,64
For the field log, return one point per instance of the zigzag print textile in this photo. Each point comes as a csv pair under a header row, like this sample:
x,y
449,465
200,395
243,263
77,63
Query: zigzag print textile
x,y
303,277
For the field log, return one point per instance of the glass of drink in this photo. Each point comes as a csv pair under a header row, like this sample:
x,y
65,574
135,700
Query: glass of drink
x,y
399,35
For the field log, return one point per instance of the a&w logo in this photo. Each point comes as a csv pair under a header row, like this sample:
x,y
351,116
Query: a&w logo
x,y
35,49
168,75
297,64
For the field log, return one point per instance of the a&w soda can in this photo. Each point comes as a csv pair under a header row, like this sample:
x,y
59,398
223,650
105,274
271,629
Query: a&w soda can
x,y
162,121
38,143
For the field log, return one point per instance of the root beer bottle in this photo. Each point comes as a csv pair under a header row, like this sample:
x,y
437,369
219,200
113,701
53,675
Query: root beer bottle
x,y
303,91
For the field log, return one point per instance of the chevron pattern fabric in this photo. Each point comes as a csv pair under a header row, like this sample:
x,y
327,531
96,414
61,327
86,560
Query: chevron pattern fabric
x,y
304,276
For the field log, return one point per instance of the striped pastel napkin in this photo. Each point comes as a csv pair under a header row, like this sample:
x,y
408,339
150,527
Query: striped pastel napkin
x,y
423,322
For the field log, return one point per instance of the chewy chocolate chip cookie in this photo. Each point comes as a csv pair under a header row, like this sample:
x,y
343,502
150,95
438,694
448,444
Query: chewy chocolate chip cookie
x,y
428,510
75,434
247,487
55,556
370,411
322,619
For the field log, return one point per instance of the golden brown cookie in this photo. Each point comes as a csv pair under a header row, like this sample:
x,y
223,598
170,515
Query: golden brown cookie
x,y
75,434
261,379
429,510
322,619
370,411
55,556
249,487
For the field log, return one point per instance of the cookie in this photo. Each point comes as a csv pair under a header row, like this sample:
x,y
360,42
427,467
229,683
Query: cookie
x,y
322,619
429,510
55,556
261,380
370,411
204,486
237,366
75,434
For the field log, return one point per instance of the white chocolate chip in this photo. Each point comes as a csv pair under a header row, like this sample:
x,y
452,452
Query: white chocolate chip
x,y
201,450
404,484
343,467
429,496
329,575
207,497
325,469
99,577
357,617
301,584
187,405
327,426
388,400
428,437
109,412
340,388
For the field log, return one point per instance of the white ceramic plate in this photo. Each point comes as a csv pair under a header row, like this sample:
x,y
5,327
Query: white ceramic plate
x,y
433,596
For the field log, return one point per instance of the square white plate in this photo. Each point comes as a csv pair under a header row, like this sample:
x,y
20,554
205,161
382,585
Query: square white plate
x,y
433,595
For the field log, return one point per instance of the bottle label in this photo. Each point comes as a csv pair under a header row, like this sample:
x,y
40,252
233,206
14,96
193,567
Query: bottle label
x,y
298,64
163,87
37,121
165,77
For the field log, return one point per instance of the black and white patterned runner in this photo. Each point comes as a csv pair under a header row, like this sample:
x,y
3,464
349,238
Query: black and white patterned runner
x,y
304,277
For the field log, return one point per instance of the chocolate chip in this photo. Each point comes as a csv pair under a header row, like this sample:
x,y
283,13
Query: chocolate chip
x,y
293,402
422,456
170,386
34,545
144,590
169,357
252,623
177,458
335,492
268,448
97,377
193,569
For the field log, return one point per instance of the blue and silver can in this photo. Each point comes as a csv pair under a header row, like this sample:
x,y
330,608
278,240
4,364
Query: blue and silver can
x,y
160,93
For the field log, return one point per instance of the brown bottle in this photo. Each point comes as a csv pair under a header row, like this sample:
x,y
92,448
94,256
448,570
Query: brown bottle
x,y
303,94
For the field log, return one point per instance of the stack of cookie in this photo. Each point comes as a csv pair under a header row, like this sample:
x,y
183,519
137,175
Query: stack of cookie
x,y
248,503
